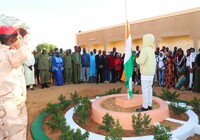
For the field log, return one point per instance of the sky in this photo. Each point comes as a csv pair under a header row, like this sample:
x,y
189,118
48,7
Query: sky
x,y
57,21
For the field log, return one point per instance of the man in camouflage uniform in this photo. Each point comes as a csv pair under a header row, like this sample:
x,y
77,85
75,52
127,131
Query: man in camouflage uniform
x,y
76,64
13,53
44,67
67,67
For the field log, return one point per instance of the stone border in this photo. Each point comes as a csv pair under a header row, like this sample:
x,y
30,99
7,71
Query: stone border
x,y
36,129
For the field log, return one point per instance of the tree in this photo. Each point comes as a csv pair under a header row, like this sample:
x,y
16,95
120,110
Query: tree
x,y
47,46
12,21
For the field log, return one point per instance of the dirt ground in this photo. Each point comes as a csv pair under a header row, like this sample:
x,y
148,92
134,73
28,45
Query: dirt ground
x,y
37,99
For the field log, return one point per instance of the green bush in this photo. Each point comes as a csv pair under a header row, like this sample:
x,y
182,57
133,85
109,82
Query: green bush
x,y
58,121
115,132
108,122
70,134
141,124
82,109
113,91
195,103
154,94
135,91
63,102
169,96
75,98
177,109
161,132
51,108
110,92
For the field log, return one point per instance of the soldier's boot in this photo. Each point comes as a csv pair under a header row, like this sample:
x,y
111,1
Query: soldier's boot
x,y
46,85
43,86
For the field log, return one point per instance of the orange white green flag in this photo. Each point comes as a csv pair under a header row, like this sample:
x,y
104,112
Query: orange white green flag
x,y
128,61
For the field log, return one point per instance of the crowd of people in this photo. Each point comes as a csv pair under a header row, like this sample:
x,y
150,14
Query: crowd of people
x,y
173,68
176,70
67,67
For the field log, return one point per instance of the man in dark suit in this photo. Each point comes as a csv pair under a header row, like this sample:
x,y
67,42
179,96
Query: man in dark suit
x,y
99,66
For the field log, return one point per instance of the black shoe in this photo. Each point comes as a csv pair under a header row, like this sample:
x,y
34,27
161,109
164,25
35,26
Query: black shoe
x,y
149,108
189,89
43,86
32,89
141,109
46,85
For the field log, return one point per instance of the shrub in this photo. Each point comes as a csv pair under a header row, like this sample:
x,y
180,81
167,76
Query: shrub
x,y
82,109
169,96
136,91
141,124
51,108
108,122
75,98
58,121
70,134
154,94
161,132
195,103
63,102
115,132
177,109
113,91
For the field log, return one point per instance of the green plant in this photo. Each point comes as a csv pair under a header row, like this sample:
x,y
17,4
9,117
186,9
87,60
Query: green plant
x,y
75,98
169,96
110,92
108,122
135,91
82,109
115,132
177,109
141,124
195,103
63,102
113,91
57,120
154,94
161,132
70,134
51,108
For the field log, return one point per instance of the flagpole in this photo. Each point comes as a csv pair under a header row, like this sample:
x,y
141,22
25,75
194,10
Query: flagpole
x,y
126,11
126,20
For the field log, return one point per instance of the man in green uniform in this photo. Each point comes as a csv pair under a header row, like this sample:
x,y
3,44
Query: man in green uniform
x,y
76,63
67,67
44,67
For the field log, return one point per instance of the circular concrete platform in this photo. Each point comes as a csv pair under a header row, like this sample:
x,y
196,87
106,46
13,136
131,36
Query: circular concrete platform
x,y
125,118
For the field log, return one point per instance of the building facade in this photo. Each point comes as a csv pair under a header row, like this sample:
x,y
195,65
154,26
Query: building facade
x,y
181,29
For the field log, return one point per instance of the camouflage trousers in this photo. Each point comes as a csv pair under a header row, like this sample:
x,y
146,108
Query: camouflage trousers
x,y
13,118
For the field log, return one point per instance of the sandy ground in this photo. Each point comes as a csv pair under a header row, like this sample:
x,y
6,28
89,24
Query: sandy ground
x,y
37,99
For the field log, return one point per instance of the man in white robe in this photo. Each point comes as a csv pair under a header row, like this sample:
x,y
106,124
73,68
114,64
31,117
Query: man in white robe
x,y
29,72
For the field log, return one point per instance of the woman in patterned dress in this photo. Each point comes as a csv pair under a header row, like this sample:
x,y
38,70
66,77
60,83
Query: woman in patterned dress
x,y
169,73
180,64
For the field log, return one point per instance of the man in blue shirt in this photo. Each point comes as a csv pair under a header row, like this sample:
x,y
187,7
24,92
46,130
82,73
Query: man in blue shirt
x,y
85,61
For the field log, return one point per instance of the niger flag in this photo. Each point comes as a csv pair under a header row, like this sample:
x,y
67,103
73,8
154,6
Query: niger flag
x,y
128,61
